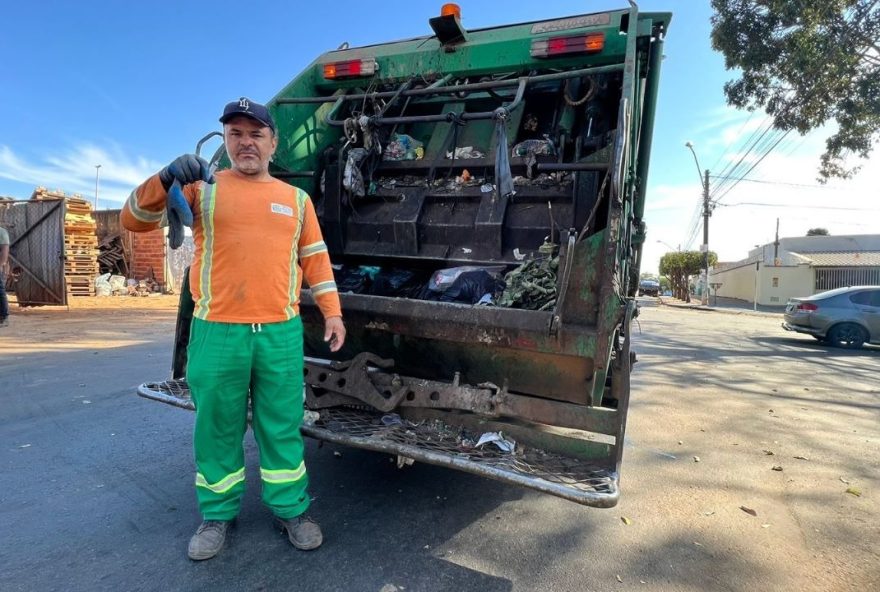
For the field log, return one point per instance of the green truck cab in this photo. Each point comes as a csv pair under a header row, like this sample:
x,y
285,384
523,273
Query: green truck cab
x,y
482,195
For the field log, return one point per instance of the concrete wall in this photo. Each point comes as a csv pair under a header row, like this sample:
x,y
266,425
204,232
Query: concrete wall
x,y
739,282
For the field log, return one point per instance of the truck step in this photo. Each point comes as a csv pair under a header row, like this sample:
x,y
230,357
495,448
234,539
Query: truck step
x,y
435,442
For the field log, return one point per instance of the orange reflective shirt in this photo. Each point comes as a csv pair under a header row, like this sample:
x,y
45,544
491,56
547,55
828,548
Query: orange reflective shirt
x,y
255,242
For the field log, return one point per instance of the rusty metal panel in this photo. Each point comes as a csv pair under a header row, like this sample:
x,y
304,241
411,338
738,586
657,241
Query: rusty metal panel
x,y
36,233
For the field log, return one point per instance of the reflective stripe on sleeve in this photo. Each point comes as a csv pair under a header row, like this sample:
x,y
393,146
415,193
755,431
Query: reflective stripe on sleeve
x,y
323,288
140,214
312,249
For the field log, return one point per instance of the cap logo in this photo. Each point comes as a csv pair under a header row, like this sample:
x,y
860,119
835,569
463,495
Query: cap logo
x,y
244,104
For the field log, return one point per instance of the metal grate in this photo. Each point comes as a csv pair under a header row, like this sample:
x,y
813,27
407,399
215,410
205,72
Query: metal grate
x,y
438,443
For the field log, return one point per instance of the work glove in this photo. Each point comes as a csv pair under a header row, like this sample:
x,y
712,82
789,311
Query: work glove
x,y
179,214
186,169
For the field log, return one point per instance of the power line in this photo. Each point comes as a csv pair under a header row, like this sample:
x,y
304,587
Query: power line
x,y
766,153
799,206
785,183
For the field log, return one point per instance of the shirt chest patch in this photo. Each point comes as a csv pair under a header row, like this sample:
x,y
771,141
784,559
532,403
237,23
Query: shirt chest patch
x,y
282,209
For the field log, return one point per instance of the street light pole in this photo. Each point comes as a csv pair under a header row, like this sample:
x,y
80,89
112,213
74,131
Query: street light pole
x,y
707,211
97,168
758,277
676,249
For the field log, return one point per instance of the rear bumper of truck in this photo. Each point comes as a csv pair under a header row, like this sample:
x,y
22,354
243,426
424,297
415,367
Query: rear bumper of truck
x,y
437,443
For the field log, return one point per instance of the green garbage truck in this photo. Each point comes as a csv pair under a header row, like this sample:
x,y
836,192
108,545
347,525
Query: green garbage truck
x,y
482,196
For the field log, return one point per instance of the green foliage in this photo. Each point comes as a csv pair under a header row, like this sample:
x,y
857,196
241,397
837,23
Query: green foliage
x,y
678,266
818,232
806,63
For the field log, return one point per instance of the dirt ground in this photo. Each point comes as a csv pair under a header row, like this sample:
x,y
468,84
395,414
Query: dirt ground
x,y
88,323
752,461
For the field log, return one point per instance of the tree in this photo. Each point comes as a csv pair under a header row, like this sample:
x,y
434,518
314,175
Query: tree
x,y
817,232
806,63
680,266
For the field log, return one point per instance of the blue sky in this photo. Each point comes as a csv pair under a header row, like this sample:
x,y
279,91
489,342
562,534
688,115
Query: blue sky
x,y
132,85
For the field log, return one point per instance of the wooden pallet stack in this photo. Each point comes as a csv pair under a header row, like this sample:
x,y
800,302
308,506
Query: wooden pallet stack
x,y
80,248
80,242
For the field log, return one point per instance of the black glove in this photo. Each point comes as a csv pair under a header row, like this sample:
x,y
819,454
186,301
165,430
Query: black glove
x,y
186,169
179,215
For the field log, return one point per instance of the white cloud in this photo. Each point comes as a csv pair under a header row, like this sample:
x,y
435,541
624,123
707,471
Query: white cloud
x,y
789,191
73,171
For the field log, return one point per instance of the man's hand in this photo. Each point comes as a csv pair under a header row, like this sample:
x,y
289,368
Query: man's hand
x,y
179,215
334,333
186,169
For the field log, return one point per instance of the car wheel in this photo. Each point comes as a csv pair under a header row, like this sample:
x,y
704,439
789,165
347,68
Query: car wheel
x,y
848,335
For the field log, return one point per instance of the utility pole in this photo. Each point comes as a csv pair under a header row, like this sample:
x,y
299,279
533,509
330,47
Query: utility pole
x,y
706,213
776,244
97,169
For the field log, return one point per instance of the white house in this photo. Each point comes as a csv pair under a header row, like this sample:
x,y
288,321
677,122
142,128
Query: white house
x,y
799,266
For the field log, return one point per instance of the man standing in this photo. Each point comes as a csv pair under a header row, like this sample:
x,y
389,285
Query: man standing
x,y
4,259
256,238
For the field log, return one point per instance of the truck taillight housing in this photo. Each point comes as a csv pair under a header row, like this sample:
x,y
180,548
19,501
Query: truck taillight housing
x,y
350,69
557,46
807,307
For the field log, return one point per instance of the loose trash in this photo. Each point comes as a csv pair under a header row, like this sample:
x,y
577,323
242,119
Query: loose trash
x,y
626,520
532,285
749,511
498,439
854,491
404,461
310,417
469,287
353,178
392,419
536,147
403,147
465,152
517,255
776,468
442,279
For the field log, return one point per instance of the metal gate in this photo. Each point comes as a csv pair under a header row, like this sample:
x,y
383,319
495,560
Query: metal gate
x,y
36,252
839,277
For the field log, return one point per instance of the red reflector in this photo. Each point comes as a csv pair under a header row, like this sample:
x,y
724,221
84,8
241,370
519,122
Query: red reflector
x,y
807,306
554,46
350,69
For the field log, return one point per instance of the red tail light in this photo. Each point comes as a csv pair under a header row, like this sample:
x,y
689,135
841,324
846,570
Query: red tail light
x,y
807,307
555,46
350,69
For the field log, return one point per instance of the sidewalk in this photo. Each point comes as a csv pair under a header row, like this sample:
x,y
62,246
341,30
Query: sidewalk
x,y
721,304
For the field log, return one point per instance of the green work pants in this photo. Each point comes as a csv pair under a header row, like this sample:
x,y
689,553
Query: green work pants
x,y
226,362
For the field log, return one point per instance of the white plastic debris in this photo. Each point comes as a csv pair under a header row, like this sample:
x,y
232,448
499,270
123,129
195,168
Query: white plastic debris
x,y
404,461
392,419
498,439
310,417
517,255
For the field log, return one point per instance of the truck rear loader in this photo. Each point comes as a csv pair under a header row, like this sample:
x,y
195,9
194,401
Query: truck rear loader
x,y
482,196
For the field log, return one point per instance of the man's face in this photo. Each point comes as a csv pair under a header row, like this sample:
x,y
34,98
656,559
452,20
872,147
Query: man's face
x,y
249,144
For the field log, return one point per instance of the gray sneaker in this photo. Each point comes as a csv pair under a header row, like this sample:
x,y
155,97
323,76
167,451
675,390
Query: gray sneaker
x,y
303,532
4,322
208,539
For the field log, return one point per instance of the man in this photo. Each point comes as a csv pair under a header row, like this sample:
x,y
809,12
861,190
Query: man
x,y
4,259
255,239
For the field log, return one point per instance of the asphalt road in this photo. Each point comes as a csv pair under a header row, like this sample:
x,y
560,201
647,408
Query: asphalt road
x,y
97,491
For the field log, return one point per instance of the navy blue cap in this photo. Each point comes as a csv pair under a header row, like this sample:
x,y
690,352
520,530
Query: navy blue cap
x,y
248,108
